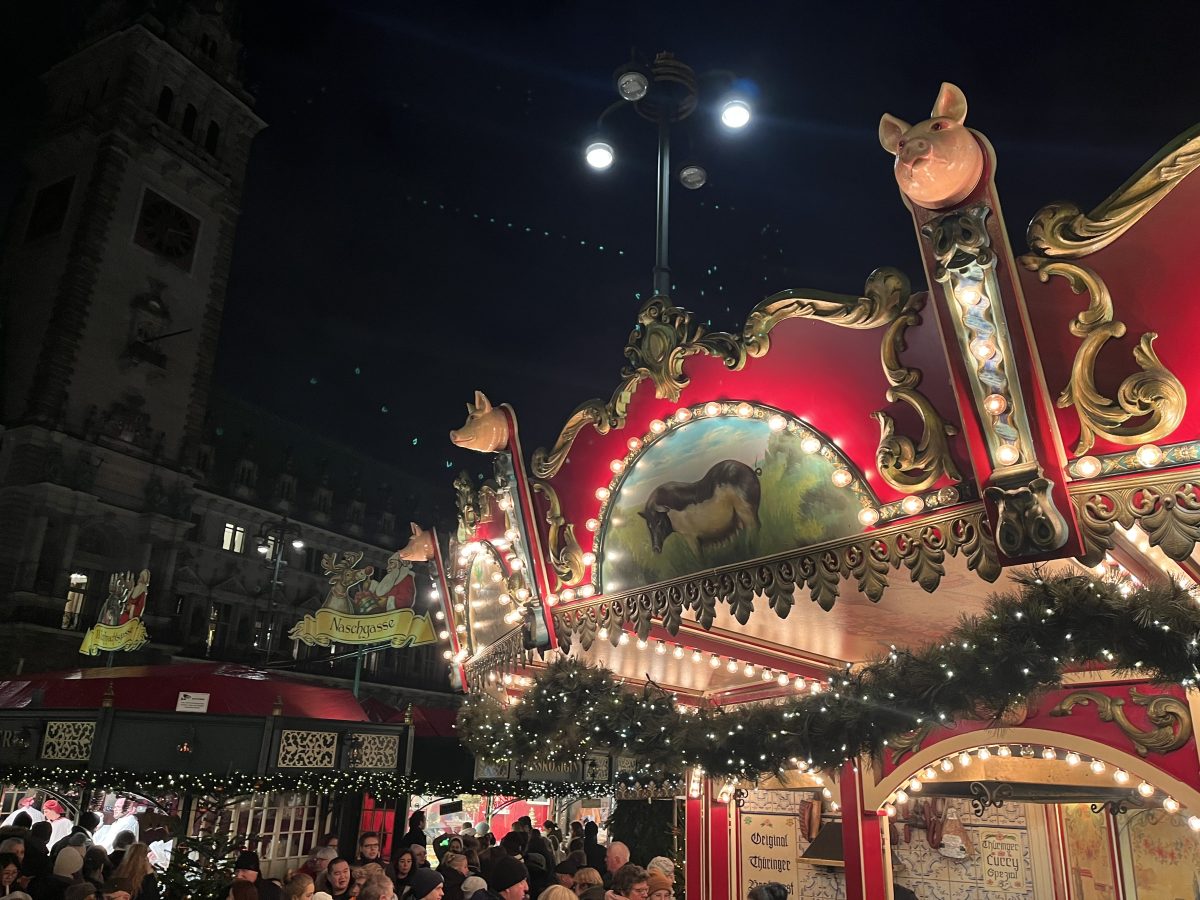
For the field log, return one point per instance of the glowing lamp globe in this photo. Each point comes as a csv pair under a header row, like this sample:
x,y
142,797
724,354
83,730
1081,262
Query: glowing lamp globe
x,y
735,114
599,155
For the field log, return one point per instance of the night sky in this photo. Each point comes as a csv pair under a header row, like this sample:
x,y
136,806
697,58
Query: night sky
x,y
418,221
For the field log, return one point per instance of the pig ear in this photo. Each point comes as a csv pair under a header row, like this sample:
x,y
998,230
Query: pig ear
x,y
951,103
891,130
416,529
471,408
482,402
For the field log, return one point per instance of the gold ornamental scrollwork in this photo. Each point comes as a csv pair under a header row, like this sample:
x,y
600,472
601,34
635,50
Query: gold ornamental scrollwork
x,y
665,337
1170,716
907,466
1062,230
1164,506
566,556
1153,394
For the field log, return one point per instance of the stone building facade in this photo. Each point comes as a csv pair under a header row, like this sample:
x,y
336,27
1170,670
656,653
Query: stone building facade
x,y
114,457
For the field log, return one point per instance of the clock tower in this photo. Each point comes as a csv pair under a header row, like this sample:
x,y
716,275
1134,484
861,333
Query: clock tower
x,y
114,268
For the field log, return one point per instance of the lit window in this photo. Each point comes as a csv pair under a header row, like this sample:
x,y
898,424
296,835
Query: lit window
x,y
76,593
234,538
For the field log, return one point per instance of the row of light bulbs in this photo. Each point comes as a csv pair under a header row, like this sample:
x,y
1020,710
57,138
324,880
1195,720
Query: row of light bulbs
x,y
1148,456
1097,766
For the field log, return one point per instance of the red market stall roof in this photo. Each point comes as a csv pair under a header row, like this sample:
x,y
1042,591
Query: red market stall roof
x,y
429,721
233,690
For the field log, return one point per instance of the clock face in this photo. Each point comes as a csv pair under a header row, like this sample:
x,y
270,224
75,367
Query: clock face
x,y
166,230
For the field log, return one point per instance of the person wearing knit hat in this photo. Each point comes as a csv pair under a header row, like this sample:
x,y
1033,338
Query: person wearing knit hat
x,y
661,887
471,885
509,879
565,871
68,863
425,884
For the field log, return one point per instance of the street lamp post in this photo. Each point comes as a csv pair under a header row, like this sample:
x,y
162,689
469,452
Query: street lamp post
x,y
271,536
664,92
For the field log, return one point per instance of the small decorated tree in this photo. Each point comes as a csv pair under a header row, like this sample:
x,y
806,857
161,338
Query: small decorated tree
x,y
202,864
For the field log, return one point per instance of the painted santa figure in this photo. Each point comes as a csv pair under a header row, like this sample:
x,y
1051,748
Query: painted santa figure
x,y
395,590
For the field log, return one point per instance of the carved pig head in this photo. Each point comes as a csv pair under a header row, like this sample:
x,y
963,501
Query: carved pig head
x,y
1027,521
485,430
938,161
419,547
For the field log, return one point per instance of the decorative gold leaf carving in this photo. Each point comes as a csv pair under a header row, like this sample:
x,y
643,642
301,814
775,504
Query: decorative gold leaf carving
x,y
1153,393
1171,520
1170,716
566,556
665,337
906,466
1062,230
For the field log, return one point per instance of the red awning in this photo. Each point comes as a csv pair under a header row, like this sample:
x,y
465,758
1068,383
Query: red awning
x,y
429,721
233,690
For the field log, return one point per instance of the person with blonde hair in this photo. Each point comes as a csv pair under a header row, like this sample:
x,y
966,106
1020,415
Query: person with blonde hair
x,y
589,885
299,887
557,892
135,866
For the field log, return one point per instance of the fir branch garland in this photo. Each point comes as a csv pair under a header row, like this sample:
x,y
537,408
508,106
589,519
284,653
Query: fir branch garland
x,y
1022,643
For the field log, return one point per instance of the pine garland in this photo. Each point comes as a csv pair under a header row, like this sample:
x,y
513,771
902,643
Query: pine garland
x,y
1022,643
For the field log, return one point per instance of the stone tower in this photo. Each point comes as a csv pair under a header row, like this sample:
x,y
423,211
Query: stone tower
x,y
114,267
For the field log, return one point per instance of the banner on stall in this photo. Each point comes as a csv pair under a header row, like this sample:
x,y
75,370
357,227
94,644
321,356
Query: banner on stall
x,y
111,638
769,851
1003,860
399,628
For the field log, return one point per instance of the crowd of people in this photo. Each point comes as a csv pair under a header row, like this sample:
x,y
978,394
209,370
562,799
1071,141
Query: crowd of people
x,y
528,862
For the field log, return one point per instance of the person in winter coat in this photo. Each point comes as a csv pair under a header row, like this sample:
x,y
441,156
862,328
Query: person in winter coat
x,y
540,877
137,868
454,870
509,881
592,849
588,884
425,884
416,831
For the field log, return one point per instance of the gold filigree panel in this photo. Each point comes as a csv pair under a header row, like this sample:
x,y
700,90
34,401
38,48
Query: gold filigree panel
x,y
1165,506
1170,716
68,741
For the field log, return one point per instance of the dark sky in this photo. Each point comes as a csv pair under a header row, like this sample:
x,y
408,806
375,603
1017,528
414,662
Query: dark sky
x,y
418,221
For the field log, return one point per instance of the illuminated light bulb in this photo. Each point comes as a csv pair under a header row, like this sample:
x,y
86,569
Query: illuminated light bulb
x,y
749,670
1145,789
1170,805
522,594
1007,454
1194,823
777,422
964,758
1072,758
634,444
602,633
767,675
658,426
459,589
589,558
1048,753
915,786
984,754
798,684
995,404
552,599
815,688
682,414
512,535
842,477
947,765
712,409
810,444
617,466
505,502
444,635
726,793
441,616
677,652
660,648
603,494
967,292
714,661
568,595
833,806
497,576
623,639
697,656
1149,456
1097,766
901,797
507,678
446,654
587,590
929,774
890,811
912,505
461,629
1120,776
868,515
731,666
745,410
591,524
826,792
983,349
782,679
1004,751
1087,466
504,599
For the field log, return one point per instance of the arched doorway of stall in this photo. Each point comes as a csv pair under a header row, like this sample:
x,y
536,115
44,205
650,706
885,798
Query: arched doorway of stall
x,y
1039,813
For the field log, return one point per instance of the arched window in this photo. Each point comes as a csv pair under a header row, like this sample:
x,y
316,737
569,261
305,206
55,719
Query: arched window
x,y
165,99
212,137
189,121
